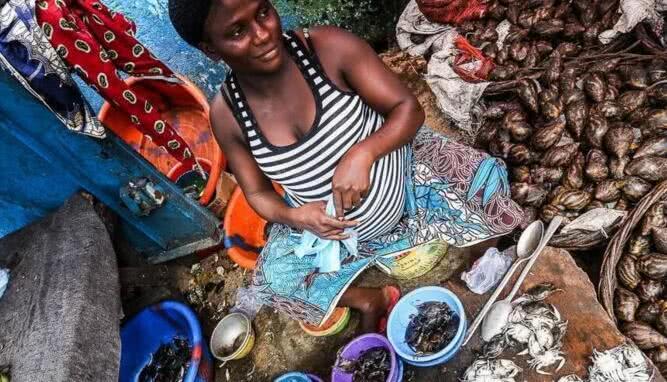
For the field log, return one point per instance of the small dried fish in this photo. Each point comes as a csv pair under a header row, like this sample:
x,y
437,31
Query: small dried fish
x,y
551,109
625,304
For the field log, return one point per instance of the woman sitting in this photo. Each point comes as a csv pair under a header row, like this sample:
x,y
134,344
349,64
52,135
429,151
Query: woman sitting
x,y
317,112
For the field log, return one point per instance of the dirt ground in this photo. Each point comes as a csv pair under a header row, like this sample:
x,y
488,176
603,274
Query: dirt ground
x,y
210,287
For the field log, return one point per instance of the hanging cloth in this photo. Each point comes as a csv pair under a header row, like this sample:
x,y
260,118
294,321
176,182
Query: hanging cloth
x,y
97,43
26,54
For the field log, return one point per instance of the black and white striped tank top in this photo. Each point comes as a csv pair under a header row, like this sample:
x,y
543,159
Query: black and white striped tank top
x,y
305,169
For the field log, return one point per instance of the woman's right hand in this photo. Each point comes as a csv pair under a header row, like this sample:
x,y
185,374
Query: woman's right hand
x,y
313,217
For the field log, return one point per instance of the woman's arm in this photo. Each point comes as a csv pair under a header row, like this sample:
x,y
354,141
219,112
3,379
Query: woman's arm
x,y
258,189
355,62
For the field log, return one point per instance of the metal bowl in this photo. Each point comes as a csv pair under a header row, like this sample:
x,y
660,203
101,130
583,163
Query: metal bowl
x,y
226,333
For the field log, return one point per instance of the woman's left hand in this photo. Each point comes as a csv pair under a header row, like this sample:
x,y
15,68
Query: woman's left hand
x,y
351,180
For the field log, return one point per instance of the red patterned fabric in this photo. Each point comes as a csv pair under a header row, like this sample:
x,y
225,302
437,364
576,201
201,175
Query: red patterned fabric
x,y
97,42
452,11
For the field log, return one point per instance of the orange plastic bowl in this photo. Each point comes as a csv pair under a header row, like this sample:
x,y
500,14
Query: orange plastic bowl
x,y
244,230
186,109
332,326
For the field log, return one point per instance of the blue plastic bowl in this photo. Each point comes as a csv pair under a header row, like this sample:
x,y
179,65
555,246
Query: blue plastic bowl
x,y
143,334
298,377
400,318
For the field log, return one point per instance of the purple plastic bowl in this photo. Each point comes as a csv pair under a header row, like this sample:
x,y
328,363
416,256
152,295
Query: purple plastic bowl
x,y
359,345
315,378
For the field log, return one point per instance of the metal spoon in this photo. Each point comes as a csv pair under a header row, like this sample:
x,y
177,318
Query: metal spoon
x,y
528,242
498,315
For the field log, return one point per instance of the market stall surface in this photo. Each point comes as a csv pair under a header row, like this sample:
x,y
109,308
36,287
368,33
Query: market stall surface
x,y
282,346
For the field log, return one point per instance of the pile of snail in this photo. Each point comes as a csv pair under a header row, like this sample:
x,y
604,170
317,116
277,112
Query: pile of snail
x,y
580,125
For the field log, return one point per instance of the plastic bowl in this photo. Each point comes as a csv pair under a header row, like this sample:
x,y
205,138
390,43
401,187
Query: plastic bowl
x,y
186,108
244,230
143,334
357,346
334,325
226,332
298,377
402,314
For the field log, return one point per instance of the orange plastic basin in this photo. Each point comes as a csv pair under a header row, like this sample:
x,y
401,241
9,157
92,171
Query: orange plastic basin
x,y
244,230
186,109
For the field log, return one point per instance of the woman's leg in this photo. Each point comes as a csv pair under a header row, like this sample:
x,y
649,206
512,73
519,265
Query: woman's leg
x,y
371,302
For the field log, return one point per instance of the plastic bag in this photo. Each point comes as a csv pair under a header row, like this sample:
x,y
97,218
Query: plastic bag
x,y
4,280
471,64
327,252
248,302
487,271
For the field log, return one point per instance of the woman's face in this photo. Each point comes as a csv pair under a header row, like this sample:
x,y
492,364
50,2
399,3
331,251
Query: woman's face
x,y
245,34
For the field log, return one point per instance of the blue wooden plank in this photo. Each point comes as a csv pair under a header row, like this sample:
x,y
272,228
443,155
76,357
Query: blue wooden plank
x,y
101,167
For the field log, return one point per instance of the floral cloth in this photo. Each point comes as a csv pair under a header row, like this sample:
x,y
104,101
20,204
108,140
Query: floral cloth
x,y
454,193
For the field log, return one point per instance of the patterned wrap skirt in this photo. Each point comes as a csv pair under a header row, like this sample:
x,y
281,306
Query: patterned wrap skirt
x,y
454,193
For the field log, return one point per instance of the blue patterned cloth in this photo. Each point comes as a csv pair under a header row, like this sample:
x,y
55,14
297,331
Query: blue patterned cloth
x,y
28,55
453,193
